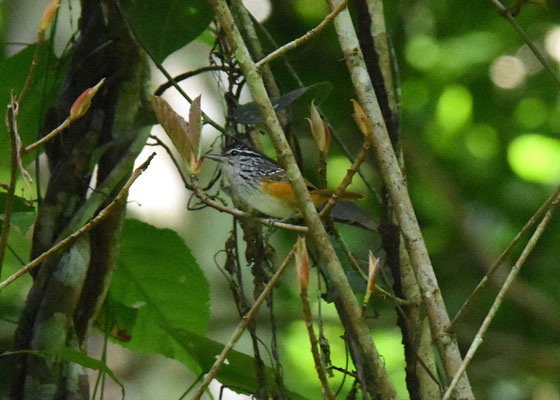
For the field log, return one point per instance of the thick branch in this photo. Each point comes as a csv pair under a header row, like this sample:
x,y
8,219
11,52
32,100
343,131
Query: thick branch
x,y
398,192
317,233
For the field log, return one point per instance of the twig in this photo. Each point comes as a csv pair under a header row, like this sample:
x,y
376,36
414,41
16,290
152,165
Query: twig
x,y
242,326
11,116
348,178
501,295
398,192
67,122
34,63
508,15
532,221
159,66
86,228
238,213
186,75
302,39
319,367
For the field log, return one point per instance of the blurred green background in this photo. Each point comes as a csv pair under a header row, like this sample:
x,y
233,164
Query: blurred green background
x,y
480,129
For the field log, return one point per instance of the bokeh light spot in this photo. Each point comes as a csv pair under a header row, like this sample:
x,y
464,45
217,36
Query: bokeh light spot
x,y
311,11
454,108
507,72
422,52
535,158
531,113
336,172
482,141
552,43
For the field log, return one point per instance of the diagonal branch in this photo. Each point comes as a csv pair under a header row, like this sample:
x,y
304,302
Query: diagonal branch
x,y
507,14
501,295
242,326
532,221
403,209
121,196
305,38
373,363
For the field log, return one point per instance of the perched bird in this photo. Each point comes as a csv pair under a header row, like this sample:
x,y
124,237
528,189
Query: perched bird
x,y
262,184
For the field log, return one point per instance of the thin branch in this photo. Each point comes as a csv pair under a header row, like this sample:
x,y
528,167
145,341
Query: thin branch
x,y
506,12
319,367
186,75
11,116
67,122
305,38
242,326
348,177
238,213
121,196
501,295
33,68
532,221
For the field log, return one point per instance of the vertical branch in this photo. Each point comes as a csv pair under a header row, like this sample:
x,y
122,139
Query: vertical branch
x,y
11,124
317,233
404,211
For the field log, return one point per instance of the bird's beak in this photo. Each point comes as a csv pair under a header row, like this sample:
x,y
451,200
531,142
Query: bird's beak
x,y
215,157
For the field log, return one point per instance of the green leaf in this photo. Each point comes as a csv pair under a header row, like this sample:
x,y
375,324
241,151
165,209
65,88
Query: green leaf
x,y
158,303
237,372
72,355
44,89
157,277
298,100
166,26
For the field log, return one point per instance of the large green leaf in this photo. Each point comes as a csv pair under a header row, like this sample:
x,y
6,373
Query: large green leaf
x,y
158,303
165,26
157,277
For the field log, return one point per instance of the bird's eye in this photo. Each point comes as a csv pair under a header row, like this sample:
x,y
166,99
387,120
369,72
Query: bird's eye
x,y
233,153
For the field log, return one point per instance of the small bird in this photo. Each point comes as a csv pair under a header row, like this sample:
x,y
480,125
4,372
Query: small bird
x,y
262,184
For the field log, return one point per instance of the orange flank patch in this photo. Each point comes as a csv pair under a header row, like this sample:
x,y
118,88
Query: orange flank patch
x,y
283,190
